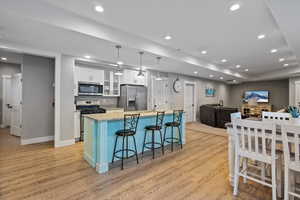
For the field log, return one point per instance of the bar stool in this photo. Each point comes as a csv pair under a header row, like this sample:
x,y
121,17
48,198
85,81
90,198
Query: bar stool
x,y
130,126
177,117
157,127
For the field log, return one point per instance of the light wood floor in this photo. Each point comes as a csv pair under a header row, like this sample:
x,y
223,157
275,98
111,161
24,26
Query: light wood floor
x,y
199,171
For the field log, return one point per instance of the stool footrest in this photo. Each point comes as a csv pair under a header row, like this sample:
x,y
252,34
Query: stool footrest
x,y
150,143
170,138
125,150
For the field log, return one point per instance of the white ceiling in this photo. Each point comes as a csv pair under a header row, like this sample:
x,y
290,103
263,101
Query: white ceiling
x,y
72,27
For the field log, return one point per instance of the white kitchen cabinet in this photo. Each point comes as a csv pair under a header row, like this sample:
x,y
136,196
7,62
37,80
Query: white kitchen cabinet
x,y
87,74
77,124
90,75
111,86
131,77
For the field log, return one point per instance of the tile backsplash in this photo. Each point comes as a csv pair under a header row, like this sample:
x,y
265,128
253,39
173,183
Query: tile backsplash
x,y
104,101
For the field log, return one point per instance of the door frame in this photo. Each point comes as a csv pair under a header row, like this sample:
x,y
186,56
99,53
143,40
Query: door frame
x,y
3,125
295,97
194,99
58,142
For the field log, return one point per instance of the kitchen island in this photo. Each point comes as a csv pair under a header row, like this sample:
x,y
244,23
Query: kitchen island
x,y
99,135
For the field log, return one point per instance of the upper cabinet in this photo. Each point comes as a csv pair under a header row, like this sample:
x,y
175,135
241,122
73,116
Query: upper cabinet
x,y
131,77
87,74
106,77
111,85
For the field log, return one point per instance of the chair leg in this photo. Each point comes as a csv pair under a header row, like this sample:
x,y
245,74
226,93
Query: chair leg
x,y
236,175
274,193
136,154
153,150
162,144
165,131
115,146
263,171
144,142
245,163
286,182
279,176
122,165
126,147
172,138
180,138
292,183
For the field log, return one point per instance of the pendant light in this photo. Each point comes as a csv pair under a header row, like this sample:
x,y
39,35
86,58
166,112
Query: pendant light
x,y
158,78
141,73
119,62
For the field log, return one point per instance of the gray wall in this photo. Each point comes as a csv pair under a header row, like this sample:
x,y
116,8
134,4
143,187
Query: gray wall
x,y
278,92
67,98
7,69
176,100
38,96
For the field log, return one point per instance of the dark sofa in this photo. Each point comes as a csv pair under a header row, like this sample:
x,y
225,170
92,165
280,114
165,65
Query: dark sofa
x,y
215,115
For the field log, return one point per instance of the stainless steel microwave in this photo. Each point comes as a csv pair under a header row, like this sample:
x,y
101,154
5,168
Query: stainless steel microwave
x,y
94,89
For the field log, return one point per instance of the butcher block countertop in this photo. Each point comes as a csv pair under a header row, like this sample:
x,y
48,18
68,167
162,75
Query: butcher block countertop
x,y
120,115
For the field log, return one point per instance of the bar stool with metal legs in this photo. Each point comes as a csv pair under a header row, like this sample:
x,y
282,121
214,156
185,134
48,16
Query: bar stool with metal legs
x,y
157,127
129,130
177,117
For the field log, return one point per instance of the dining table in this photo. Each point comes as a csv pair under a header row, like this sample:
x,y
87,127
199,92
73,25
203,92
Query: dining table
x,y
279,146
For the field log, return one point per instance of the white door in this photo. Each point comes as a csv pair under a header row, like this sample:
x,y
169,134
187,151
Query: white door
x,y
189,102
16,114
6,100
160,94
297,93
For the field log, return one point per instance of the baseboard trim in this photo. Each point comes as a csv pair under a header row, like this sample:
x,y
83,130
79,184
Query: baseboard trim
x,y
89,159
3,126
63,143
37,140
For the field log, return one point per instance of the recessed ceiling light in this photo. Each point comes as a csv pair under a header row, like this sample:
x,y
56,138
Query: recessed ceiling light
x,y
224,60
234,81
238,66
246,70
211,75
195,72
99,8
168,37
120,62
261,36
4,59
281,59
273,50
87,57
221,78
286,64
204,52
235,7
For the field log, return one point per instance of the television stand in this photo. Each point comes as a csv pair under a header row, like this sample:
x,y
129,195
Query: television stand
x,y
255,111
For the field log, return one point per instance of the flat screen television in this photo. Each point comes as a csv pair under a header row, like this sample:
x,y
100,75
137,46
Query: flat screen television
x,y
261,95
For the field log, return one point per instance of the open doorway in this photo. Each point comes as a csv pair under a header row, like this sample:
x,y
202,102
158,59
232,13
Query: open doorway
x,y
27,98
10,100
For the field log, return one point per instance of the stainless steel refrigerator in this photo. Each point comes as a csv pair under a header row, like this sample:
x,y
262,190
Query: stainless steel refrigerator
x,y
133,97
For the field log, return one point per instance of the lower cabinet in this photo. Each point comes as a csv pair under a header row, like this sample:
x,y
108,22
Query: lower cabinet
x,y
77,125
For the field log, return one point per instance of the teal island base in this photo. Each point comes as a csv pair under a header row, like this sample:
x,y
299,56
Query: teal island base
x,y
99,135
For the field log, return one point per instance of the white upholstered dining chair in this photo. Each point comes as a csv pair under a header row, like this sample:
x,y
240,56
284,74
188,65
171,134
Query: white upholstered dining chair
x,y
251,139
291,142
276,116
